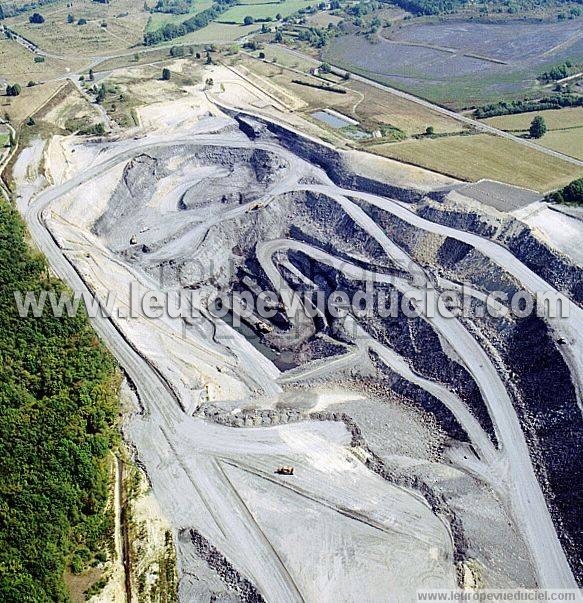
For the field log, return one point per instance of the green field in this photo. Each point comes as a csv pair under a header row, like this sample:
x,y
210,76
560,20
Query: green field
x,y
216,32
157,20
263,10
484,156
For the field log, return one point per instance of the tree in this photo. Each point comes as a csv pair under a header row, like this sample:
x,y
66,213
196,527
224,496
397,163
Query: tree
x,y
70,18
278,37
261,55
13,90
166,74
82,22
429,131
325,68
278,17
248,20
209,82
36,18
538,127
91,75
100,94
209,59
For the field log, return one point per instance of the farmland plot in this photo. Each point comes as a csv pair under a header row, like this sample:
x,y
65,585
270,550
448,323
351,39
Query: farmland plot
x,y
461,64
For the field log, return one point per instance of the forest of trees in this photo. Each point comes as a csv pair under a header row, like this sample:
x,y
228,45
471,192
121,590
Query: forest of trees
x,y
58,405
174,7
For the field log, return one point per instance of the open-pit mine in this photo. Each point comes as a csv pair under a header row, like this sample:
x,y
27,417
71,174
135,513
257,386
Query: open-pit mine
x,y
313,453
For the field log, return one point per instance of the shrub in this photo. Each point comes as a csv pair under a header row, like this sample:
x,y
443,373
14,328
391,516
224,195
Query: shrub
x,y
36,18
166,74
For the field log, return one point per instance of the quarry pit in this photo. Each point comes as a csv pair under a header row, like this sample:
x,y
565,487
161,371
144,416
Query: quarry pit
x,y
404,432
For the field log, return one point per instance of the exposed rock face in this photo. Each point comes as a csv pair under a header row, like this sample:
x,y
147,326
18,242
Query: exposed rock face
x,y
550,416
210,239
547,262
239,587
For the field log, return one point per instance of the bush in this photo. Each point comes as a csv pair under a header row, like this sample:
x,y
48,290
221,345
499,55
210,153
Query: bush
x,y
166,74
82,22
248,20
36,18
39,59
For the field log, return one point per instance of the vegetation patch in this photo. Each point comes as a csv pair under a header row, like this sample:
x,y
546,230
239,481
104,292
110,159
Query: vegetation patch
x,y
572,194
58,406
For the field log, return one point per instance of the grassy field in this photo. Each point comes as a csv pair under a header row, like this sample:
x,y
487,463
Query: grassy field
x,y
217,32
263,10
367,104
18,64
18,108
569,142
565,128
483,156
125,19
157,20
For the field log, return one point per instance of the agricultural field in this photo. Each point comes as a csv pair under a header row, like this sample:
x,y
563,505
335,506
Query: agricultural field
x,y
565,128
461,63
19,66
125,20
263,10
556,119
216,33
157,20
484,156
368,105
